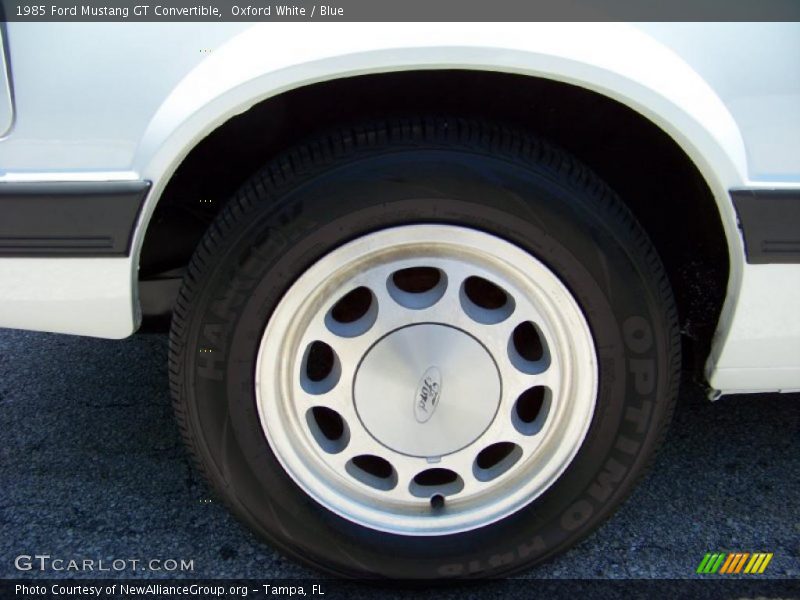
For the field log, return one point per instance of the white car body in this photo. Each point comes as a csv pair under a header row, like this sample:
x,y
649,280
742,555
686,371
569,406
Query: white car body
x,y
128,101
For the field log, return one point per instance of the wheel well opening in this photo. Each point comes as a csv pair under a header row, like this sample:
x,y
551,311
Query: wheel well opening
x,y
650,172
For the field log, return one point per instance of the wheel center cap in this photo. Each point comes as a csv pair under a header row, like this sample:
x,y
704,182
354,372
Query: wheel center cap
x,y
427,390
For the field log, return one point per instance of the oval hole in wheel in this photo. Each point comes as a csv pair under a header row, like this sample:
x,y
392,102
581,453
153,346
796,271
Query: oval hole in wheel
x,y
436,481
484,301
320,369
416,280
417,287
527,349
353,314
495,460
531,410
373,471
328,429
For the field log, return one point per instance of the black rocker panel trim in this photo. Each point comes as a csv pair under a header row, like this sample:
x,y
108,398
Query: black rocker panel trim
x,y
63,219
770,220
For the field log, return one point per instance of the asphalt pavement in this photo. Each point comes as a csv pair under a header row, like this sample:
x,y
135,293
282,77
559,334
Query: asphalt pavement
x,y
92,467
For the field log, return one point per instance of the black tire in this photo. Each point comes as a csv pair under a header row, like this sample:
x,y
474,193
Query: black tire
x,y
422,170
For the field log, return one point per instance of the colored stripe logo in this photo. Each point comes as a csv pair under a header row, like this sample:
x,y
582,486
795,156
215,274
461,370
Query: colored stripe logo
x,y
732,563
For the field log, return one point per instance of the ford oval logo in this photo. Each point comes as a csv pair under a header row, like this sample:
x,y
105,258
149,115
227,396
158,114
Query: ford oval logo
x,y
427,395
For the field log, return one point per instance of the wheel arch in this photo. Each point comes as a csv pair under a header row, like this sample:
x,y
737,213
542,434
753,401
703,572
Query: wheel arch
x,y
659,88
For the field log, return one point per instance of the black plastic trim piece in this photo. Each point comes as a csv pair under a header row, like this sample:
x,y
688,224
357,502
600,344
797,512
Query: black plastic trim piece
x,y
770,220
63,219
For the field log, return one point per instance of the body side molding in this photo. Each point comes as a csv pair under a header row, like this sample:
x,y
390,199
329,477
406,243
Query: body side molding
x,y
69,219
770,220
